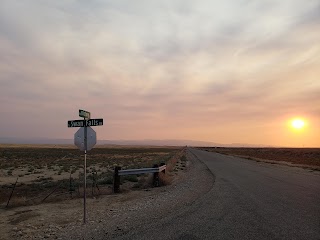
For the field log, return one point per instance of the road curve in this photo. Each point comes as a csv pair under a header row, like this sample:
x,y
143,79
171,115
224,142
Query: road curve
x,y
248,200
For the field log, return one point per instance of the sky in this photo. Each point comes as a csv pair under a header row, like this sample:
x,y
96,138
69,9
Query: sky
x,y
232,71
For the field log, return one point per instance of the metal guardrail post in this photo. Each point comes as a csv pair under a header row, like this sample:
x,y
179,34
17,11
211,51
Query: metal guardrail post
x,y
155,170
164,170
116,180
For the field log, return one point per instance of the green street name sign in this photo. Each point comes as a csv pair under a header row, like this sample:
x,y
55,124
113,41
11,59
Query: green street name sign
x,y
84,114
85,123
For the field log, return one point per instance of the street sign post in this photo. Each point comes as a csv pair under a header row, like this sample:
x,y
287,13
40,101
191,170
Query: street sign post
x,y
85,138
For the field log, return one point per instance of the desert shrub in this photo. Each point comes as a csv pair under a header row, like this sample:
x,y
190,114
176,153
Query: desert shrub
x,y
183,158
18,201
105,180
66,168
165,179
137,185
50,167
130,178
43,179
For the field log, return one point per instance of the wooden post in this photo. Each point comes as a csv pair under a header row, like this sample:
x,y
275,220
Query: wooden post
x,y
96,182
92,186
162,177
70,185
14,186
116,180
156,181
52,191
79,185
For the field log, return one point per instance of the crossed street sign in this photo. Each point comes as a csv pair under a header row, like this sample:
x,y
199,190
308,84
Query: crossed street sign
x,y
85,138
85,123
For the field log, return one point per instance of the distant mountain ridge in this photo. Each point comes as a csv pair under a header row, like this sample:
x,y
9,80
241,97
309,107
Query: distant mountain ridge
x,y
147,142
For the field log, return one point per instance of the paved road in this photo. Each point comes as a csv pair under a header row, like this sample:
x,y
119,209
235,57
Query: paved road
x,y
249,200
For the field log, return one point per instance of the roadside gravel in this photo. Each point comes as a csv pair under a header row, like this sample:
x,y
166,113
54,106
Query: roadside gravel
x,y
140,209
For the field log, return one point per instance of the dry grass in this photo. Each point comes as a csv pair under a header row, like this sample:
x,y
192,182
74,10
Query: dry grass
x,y
40,169
174,165
297,156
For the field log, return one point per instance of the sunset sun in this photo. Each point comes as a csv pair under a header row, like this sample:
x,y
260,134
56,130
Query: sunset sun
x,y
297,123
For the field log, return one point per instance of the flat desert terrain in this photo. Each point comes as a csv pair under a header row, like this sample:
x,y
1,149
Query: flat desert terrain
x,y
46,173
47,201
303,157
48,183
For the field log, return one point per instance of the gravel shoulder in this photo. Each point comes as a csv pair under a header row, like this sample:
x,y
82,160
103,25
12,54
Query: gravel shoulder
x,y
118,216
125,220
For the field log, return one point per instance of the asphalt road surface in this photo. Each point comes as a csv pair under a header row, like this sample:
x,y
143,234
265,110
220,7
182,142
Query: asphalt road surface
x,y
249,200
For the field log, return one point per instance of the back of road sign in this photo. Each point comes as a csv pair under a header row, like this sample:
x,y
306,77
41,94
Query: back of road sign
x,y
79,138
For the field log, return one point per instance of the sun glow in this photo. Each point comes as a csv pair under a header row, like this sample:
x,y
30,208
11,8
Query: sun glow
x,y
297,123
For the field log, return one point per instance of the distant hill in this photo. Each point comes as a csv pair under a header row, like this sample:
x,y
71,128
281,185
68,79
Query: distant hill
x,y
108,142
150,142
9,140
147,142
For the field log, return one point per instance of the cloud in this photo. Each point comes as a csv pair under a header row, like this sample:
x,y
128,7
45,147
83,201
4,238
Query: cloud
x,y
182,64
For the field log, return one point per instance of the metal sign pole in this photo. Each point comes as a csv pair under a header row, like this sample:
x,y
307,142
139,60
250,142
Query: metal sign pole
x,y
85,175
84,143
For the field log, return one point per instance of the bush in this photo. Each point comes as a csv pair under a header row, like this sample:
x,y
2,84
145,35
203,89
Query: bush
x,y
130,178
183,158
105,180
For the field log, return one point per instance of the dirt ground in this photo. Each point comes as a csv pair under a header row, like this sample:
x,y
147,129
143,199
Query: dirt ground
x,y
304,157
44,220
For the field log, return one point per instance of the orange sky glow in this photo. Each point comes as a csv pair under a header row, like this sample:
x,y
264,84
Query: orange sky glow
x,y
217,71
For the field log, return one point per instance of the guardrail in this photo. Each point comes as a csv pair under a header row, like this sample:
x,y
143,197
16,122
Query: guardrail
x,y
155,170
